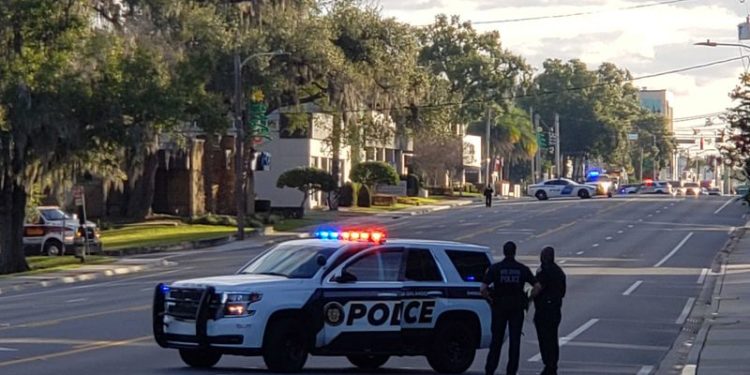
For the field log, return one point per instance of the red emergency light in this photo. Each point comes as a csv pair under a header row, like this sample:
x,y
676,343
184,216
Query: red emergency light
x,y
369,235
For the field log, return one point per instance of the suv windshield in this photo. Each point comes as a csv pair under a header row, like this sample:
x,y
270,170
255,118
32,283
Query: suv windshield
x,y
292,261
54,214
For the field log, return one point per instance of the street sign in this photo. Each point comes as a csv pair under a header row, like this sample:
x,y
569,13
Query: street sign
x,y
632,136
78,193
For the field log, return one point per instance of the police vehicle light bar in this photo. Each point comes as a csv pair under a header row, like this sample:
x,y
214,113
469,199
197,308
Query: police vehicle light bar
x,y
375,236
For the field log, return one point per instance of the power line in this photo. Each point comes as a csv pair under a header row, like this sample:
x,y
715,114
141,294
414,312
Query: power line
x,y
577,14
537,94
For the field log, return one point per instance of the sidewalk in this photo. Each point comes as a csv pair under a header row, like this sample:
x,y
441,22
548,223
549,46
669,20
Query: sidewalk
x,y
16,283
723,343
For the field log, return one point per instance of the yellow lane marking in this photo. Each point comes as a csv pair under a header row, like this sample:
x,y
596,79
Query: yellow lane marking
x,y
503,224
103,345
76,317
554,230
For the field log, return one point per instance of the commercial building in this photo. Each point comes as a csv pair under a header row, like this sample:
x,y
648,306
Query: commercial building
x,y
659,102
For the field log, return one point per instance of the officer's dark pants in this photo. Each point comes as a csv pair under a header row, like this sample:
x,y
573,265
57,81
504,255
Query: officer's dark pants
x,y
488,200
513,318
547,322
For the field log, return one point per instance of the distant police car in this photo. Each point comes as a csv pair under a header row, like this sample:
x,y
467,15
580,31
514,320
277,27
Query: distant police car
x,y
344,293
561,187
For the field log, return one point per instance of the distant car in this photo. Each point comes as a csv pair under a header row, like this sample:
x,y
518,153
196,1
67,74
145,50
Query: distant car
x,y
692,188
678,187
603,184
704,191
714,191
656,187
628,189
561,187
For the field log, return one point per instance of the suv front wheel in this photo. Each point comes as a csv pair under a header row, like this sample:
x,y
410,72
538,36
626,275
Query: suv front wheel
x,y
453,348
199,358
285,347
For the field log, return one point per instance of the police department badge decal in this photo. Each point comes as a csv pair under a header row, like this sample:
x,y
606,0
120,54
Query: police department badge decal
x,y
334,313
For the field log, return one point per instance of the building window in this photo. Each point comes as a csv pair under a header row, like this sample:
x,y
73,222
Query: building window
x,y
369,153
314,162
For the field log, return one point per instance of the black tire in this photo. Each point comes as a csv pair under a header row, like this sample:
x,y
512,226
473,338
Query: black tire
x,y
453,349
199,358
285,346
368,362
541,195
609,195
53,248
583,194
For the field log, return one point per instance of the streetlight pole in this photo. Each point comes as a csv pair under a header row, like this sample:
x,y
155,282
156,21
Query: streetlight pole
x,y
239,140
487,145
709,43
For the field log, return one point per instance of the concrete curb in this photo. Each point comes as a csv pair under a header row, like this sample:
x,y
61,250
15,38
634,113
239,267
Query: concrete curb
x,y
88,276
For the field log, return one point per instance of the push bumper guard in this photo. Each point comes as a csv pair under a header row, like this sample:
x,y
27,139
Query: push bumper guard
x,y
202,315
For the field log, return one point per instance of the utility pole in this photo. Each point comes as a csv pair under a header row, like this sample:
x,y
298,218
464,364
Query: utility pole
x,y
656,175
640,170
487,146
239,162
538,154
558,163
533,159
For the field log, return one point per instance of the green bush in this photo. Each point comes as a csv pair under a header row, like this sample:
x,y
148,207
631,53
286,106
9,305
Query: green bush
x,y
346,198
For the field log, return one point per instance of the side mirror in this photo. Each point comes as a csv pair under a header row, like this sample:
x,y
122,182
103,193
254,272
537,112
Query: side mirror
x,y
344,278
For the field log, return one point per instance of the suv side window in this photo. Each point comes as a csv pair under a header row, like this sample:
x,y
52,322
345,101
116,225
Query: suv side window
x,y
471,265
377,266
421,266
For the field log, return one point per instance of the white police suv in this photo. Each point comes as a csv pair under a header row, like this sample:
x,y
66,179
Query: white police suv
x,y
343,293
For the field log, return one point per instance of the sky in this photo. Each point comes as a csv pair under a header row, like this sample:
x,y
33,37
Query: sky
x,y
645,40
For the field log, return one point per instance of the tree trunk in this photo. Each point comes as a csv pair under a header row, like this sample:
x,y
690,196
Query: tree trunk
x,y
12,214
138,197
336,155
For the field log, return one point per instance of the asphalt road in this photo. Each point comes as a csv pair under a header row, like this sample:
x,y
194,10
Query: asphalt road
x,y
634,267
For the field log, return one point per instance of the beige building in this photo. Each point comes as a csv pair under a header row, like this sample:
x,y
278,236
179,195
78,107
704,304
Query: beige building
x,y
307,143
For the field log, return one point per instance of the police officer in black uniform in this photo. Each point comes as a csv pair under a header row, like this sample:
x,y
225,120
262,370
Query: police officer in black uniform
x,y
547,306
509,302
488,191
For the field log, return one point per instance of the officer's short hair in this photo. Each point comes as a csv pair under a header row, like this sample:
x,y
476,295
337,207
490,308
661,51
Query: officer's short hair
x,y
509,249
547,255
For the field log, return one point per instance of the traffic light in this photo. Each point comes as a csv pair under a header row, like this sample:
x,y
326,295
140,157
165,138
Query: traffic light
x,y
541,140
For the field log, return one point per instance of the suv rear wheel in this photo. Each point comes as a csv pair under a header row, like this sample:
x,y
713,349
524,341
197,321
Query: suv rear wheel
x,y
53,248
367,362
541,195
453,348
284,346
199,358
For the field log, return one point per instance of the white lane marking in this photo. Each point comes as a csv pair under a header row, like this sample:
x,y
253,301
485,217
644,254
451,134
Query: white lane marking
x,y
595,245
570,337
632,288
689,370
666,207
676,248
587,344
608,238
649,215
722,206
640,219
658,211
76,300
645,370
685,311
7,349
619,232
580,252
630,225
462,221
702,277
563,261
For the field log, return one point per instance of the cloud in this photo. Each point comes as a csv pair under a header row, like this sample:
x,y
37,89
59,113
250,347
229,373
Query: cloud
x,y
644,41
411,4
